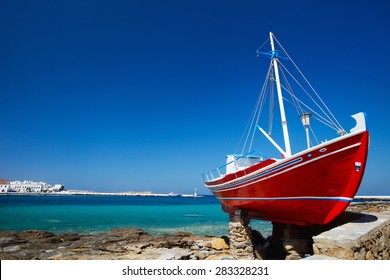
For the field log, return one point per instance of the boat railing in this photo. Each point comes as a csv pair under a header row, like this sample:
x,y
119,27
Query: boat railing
x,y
239,163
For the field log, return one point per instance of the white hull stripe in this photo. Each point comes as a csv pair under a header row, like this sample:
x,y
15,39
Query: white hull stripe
x,y
241,183
261,174
340,198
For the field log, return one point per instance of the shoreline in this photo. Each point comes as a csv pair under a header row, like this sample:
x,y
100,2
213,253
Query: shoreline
x,y
137,244
91,193
357,199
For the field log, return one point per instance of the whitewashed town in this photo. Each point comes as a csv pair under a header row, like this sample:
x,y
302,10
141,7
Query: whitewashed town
x,y
29,187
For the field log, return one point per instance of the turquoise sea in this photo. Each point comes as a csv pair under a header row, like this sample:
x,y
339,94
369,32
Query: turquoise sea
x,y
94,214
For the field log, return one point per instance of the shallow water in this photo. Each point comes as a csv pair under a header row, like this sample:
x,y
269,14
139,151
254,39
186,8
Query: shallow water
x,y
94,214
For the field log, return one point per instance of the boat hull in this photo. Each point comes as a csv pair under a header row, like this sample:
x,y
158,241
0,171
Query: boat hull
x,y
312,187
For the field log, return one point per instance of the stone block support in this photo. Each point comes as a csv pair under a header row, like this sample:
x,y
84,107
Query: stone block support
x,y
240,236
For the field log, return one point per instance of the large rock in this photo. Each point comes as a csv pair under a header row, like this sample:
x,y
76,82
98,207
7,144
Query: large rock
x,y
173,254
128,232
219,244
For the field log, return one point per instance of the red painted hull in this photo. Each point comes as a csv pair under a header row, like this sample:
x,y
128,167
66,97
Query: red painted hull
x,y
312,187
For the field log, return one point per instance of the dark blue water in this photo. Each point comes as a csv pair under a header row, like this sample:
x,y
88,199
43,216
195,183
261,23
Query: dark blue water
x,y
94,214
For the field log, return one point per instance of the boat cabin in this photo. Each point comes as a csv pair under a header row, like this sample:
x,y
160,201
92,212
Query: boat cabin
x,y
236,162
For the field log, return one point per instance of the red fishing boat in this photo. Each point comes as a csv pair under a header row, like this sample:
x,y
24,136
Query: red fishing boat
x,y
311,186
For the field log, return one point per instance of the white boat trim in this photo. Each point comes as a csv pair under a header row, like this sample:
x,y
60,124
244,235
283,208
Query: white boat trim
x,y
218,188
337,198
320,146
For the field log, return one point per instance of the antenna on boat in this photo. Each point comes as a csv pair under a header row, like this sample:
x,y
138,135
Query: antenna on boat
x,y
280,97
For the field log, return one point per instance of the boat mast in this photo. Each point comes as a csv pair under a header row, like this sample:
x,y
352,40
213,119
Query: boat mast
x,y
280,98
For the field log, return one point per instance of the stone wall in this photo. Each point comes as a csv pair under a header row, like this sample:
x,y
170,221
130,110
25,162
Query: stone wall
x,y
369,207
367,238
376,246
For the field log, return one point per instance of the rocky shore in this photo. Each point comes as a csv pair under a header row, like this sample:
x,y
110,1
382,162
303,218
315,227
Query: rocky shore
x,y
119,244
136,244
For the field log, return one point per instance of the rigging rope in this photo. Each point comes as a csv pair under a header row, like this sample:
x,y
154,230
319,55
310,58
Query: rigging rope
x,y
336,127
266,41
255,116
324,116
312,132
260,109
292,95
315,114
323,103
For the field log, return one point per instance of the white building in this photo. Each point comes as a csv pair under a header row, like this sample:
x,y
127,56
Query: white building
x,y
4,186
31,187
27,186
55,188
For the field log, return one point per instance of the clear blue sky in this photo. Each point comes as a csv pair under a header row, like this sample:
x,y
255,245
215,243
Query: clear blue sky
x,y
148,95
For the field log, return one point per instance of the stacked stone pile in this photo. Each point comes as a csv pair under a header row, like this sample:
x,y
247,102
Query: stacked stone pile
x,y
241,241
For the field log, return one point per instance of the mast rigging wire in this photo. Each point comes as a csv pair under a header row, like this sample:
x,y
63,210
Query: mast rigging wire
x,y
304,77
326,117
